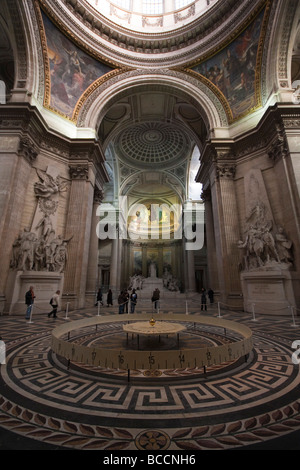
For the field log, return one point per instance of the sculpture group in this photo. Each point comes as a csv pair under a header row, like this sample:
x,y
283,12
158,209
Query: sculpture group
x,y
40,249
263,245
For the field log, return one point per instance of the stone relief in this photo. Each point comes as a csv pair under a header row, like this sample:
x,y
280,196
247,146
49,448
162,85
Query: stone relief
x,y
40,248
264,246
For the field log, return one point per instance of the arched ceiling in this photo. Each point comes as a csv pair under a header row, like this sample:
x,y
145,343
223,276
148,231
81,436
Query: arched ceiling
x,y
152,127
152,131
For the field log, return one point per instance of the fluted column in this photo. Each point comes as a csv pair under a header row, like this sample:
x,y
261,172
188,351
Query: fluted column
x,y
78,227
226,224
113,283
212,265
92,276
16,159
191,270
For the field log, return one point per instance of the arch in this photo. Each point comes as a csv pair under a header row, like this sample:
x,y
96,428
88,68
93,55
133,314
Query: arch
x,y
99,101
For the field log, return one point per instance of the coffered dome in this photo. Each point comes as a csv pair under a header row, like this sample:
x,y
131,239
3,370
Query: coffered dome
x,y
152,143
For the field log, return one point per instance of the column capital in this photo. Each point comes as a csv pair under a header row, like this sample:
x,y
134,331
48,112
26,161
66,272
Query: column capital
x,y
98,195
79,172
279,146
27,149
225,171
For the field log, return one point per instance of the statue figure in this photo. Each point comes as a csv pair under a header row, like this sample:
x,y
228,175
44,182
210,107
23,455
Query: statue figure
x,y
39,256
27,249
17,252
46,225
284,246
48,185
152,269
60,257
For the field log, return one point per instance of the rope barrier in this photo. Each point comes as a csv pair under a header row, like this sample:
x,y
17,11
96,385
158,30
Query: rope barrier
x,y
220,305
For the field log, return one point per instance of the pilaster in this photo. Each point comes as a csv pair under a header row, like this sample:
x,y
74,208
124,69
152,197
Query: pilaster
x,y
78,228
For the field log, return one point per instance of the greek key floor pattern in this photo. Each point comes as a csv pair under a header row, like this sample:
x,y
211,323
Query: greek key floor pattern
x,y
252,403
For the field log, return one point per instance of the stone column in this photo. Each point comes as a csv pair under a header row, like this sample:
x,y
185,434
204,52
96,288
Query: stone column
x,y
113,283
212,265
120,270
16,159
78,226
191,270
144,259
160,261
93,282
226,233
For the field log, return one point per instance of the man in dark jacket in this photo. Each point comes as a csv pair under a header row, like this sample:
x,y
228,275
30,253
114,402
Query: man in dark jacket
x,y
29,299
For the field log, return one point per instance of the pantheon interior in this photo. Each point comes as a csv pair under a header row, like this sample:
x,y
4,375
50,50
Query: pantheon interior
x,y
150,144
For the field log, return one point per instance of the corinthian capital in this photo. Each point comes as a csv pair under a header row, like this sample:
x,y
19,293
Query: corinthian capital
x,y
79,172
225,171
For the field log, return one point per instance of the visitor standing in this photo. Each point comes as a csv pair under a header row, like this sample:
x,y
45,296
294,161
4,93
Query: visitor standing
x,y
211,294
133,301
156,297
99,297
203,299
109,298
29,300
55,303
121,301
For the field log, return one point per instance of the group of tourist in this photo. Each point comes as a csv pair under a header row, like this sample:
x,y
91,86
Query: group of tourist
x,y
29,301
123,300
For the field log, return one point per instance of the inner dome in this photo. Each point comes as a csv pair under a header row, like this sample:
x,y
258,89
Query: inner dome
x,y
152,16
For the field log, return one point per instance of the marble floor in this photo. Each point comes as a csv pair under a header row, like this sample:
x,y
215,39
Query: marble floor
x,y
249,404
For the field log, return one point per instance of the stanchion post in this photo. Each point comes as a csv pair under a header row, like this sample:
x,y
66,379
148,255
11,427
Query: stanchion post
x,y
186,308
98,314
253,313
67,311
219,310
